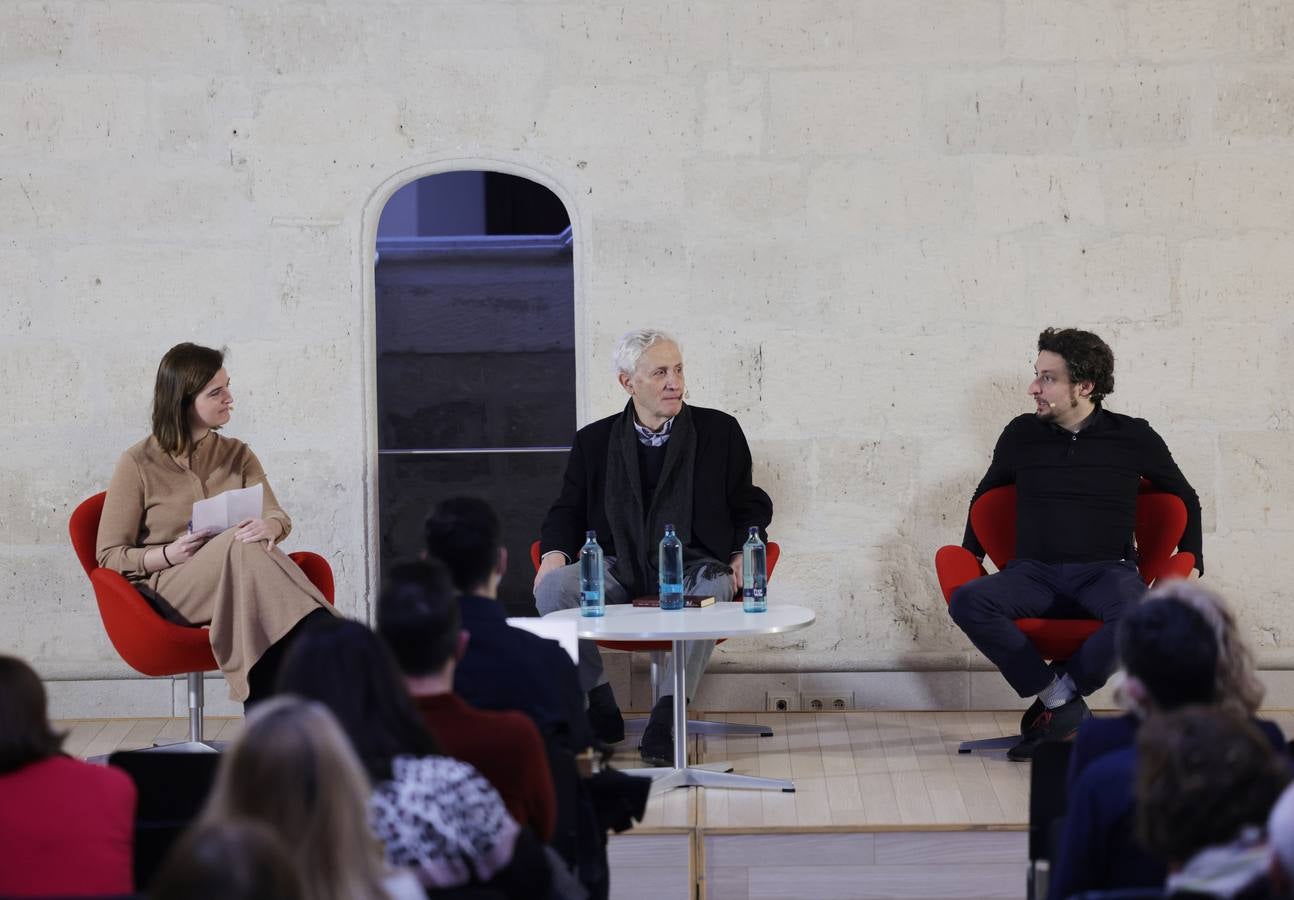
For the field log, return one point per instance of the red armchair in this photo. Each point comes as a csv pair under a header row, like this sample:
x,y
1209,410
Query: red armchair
x,y
1161,520
141,636
658,649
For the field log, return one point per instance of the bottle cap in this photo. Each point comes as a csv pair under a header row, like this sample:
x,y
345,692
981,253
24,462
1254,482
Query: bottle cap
x,y
591,535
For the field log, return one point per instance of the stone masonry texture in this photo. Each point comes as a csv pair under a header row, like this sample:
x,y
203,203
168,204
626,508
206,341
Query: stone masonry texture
x,y
857,216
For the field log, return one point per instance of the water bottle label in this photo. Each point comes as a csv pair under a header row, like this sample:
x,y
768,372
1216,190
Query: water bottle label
x,y
592,597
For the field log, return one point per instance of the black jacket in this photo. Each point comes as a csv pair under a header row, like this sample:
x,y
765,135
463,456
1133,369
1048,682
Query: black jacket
x,y
725,503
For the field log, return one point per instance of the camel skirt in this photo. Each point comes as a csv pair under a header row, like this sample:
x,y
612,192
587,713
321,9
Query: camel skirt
x,y
249,598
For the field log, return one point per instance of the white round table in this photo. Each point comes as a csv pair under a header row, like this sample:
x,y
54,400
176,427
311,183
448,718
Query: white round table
x,y
624,622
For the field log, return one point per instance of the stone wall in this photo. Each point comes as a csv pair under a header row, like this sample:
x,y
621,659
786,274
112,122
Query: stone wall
x,y
858,215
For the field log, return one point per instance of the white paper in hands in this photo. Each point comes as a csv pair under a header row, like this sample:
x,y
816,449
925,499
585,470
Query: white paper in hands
x,y
226,510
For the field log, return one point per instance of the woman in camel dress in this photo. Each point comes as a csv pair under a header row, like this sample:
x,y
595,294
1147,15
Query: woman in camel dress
x,y
237,582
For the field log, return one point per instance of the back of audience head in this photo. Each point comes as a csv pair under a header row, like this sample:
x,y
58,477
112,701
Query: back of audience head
x,y
25,733
1204,774
293,769
418,617
1169,655
465,534
239,859
346,667
1237,685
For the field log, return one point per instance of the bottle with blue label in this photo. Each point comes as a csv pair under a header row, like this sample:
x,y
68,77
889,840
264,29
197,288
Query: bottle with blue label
x,y
671,570
754,574
593,597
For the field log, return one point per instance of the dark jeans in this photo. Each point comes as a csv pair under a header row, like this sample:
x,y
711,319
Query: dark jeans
x,y
986,609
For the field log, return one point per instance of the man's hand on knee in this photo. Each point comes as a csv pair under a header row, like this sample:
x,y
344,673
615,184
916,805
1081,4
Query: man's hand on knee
x,y
551,562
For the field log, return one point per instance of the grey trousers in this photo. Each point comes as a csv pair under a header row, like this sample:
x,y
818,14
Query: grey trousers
x,y
561,590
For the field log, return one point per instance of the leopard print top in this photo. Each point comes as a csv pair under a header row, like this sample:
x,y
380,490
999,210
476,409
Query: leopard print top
x,y
441,818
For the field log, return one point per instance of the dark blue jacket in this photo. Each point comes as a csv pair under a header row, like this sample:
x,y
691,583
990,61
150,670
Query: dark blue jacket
x,y
507,668
1099,736
1100,850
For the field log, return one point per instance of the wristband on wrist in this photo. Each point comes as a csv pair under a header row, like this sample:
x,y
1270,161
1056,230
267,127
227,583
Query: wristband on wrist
x,y
165,557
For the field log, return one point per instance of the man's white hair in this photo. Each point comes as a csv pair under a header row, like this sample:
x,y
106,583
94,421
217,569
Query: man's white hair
x,y
632,344
1280,832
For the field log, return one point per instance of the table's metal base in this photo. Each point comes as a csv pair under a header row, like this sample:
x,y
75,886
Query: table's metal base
x,y
714,775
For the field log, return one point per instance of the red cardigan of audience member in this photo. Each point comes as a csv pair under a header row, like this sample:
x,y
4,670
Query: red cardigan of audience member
x,y
506,748
66,828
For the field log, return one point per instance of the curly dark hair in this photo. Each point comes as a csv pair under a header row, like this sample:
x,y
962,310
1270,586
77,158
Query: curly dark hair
x,y
1087,357
1204,773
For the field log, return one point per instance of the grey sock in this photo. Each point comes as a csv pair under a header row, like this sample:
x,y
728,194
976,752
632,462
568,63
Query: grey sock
x,y
1059,692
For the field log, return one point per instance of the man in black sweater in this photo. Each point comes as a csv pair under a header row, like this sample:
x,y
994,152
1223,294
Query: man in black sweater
x,y
659,461
1077,468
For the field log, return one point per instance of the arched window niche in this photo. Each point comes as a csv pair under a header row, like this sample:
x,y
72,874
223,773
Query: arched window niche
x,y
475,358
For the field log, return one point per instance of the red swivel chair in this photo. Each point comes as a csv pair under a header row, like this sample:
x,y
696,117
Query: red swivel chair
x,y
146,641
658,649
1161,520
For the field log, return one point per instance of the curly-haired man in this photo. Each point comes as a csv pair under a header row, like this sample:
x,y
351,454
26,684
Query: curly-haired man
x,y
1077,468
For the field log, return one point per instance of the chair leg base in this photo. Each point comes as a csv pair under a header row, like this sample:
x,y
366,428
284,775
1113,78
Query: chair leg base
x,y
176,746
704,726
997,743
186,747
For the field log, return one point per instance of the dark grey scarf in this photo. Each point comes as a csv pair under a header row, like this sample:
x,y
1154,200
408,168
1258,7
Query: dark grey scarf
x,y
636,532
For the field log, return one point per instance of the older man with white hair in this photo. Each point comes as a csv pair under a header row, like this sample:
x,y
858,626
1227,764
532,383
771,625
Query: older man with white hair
x,y
659,461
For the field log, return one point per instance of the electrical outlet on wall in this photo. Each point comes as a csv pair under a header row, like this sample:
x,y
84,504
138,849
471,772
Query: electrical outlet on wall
x,y
829,702
781,701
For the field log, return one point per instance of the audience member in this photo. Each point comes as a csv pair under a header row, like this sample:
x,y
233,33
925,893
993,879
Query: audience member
x,y
1208,780
1169,656
251,596
1235,684
418,617
293,770
503,667
1238,684
506,668
237,859
66,826
435,815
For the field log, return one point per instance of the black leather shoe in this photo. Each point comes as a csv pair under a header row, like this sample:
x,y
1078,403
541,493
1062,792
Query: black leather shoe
x,y
604,715
1059,724
1029,721
657,747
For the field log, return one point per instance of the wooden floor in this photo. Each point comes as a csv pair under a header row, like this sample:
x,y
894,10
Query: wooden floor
x,y
852,770
884,807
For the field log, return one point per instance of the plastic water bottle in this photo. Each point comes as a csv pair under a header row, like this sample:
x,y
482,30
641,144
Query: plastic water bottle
x,y
754,574
671,570
593,597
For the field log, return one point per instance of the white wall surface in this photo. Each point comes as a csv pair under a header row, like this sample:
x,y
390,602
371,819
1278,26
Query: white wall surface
x,y
858,215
